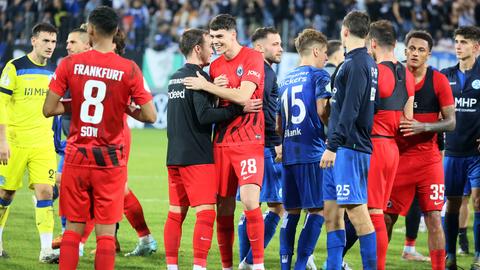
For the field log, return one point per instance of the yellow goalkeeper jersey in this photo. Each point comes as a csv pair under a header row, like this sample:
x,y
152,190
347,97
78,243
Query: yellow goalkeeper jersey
x,y
23,89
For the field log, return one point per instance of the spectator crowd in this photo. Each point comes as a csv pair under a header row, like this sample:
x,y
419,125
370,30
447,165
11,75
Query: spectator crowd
x,y
159,23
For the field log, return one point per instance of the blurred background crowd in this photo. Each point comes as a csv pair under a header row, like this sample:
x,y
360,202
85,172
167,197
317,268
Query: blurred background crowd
x,y
157,24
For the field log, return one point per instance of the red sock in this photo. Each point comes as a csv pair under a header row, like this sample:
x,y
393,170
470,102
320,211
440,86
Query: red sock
x,y
382,239
409,242
105,255
255,232
134,213
202,236
172,235
69,250
225,236
438,259
89,226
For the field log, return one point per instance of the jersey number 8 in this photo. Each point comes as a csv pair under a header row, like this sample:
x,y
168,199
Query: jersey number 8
x,y
90,100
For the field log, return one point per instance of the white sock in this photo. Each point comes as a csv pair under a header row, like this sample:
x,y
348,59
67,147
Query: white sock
x,y
229,268
258,266
1,234
197,267
46,240
172,267
145,239
81,246
409,249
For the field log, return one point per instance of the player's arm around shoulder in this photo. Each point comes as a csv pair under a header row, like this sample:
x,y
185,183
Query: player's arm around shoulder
x,y
141,96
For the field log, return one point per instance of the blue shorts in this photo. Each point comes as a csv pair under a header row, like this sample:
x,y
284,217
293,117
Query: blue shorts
x,y
302,186
60,163
346,183
272,184
458,172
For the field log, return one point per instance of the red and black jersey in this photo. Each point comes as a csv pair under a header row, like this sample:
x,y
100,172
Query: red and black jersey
x,y
395,85
431,94
102,85
248,128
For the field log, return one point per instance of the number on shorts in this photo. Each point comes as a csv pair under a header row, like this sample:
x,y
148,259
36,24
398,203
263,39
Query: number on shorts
x,y
248,166
51,173
343,190
90,100
438,191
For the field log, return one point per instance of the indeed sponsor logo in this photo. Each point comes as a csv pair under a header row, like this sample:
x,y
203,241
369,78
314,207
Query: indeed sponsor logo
x,y
176,94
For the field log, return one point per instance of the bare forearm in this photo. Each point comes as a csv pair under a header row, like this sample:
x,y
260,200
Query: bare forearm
x,y
441,125
58,109
3,132
226,93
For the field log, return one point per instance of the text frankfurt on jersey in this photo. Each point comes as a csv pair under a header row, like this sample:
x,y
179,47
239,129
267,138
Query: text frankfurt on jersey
x,y
99,72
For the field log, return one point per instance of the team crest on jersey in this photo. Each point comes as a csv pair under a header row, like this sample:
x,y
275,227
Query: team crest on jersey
x,y
476,84
240,71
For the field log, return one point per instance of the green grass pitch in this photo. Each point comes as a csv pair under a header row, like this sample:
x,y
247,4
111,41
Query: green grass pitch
x,y
148,179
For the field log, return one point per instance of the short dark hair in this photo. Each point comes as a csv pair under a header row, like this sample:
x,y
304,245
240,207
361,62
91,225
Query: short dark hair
x,y
307,38
333,46
383,32
358,23
104,19
79,30
191,38
223,22
262,32
119,41
43,27
420,34
468,32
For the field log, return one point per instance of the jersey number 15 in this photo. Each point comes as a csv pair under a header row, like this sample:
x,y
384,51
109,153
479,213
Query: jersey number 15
x,y
295,119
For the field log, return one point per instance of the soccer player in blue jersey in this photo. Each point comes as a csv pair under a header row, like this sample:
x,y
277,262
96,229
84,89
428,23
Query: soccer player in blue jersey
x,y
267,41
462,151
349,146
303,114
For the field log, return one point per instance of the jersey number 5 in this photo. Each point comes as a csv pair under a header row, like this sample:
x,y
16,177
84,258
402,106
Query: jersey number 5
x,y
90,100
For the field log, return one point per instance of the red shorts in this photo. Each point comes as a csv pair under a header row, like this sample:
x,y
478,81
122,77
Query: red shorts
x,y
192,185
383,168
87,193
417,175
237,166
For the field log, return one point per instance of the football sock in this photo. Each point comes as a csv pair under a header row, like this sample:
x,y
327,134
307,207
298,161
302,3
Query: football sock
x,y
256,233
335,245
368,251
172,235
476,233
134,213
89,226
271,221
105,255
409,245
202,236
69,250
45,222
451,231
243,243
308,239
350,235
225,236
382,239
287,239
462,237
64,223
438,259
4,211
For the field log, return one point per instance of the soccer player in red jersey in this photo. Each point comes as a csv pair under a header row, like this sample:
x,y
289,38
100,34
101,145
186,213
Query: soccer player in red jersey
x,y
101,84
238,143
420,169
396,87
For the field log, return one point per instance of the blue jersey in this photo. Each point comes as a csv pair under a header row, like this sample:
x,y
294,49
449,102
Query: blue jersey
x,y
57,135
466,90
303,135
353,103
